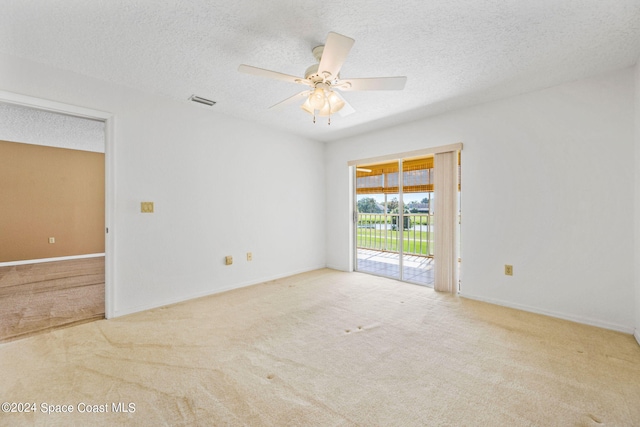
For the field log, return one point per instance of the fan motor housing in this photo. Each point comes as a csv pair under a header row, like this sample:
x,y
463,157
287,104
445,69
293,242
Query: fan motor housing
x,y
311,72
314,76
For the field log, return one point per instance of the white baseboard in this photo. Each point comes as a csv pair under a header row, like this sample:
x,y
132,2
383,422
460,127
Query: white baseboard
x,y
170,301
37,261
637,335
334,267
577,319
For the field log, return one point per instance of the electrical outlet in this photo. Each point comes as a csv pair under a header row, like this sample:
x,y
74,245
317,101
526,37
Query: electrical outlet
x,y
146,207
508,270
52,239
249,256
228,260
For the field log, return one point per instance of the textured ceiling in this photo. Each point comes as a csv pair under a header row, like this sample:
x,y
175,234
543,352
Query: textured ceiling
x,y
454,52
31,126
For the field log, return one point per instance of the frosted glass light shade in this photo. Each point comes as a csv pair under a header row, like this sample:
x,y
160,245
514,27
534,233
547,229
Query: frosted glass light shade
x,y
306,106
317,99
335,101
332,104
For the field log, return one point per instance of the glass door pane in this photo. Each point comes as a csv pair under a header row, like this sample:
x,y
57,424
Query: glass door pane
x,y
417,259
376,235
376,239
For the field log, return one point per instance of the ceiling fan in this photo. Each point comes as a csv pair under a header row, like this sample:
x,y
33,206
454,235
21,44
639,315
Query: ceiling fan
x,y
324,78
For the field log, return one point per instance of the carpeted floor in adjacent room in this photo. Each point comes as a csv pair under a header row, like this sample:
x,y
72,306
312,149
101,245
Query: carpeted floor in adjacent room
x,y
326,348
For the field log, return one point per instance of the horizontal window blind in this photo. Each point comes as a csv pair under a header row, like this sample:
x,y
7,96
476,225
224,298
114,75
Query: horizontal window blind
x,y
417,175
382,178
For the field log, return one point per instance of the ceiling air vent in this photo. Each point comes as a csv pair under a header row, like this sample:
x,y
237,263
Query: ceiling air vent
x,y
203,101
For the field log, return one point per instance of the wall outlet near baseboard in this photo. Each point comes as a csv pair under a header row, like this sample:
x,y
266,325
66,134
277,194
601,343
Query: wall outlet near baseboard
x,y
249,256
508,270
52,239
146,207
228,260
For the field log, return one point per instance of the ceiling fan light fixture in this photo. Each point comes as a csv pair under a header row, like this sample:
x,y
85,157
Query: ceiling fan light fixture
x,y
331,103
317,99
325,110
336,102
323,77
306,106
330,109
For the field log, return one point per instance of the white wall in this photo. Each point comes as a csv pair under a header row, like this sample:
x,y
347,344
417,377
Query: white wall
x,y
637,200
221,186
547,178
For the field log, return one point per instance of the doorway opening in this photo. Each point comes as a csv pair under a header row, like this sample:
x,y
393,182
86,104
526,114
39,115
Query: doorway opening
x,y
68,266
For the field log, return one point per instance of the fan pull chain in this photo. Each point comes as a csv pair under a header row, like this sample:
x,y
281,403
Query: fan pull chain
x,y
314,116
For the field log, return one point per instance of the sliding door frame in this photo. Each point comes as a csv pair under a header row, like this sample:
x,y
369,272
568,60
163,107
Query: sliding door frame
x,y
399,157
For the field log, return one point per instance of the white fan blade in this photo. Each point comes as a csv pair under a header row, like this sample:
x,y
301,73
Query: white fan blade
x,y
292,99
248,69
336,49
346,109
374,83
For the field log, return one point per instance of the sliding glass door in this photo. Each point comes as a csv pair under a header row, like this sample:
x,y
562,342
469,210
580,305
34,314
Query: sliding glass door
x,y
394,219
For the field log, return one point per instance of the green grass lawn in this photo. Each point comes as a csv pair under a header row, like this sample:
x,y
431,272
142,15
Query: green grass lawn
x,y
414,242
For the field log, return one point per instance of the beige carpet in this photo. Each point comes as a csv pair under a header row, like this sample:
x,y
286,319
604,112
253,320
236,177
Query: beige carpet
x,y
327,348
35,298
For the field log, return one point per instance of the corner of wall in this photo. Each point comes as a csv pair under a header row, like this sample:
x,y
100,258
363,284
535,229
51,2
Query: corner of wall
x,y
636,225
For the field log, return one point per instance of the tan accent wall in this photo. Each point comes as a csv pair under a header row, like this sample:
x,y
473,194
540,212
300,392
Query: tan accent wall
x,y
50,192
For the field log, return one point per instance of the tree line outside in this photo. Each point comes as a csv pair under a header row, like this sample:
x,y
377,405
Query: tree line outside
x,y
370,205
